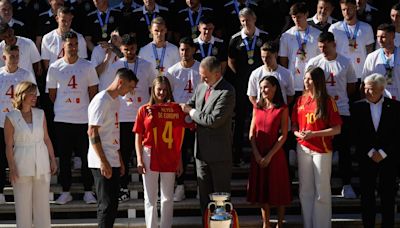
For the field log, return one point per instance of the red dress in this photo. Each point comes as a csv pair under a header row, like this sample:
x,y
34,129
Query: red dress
x,y
271,184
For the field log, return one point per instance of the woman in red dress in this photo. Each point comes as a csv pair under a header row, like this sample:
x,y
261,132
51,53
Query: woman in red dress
x,y
269,178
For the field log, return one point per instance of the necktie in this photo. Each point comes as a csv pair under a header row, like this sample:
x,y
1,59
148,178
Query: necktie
x,y
207,95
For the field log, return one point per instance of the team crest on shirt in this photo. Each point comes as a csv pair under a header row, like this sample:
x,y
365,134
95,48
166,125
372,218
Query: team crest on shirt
x,y
259,42
301,107
215,51
111,19
188,120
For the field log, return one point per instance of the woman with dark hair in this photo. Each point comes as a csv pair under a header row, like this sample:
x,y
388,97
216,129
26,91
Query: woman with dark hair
x,y
159,129
269,177
315,120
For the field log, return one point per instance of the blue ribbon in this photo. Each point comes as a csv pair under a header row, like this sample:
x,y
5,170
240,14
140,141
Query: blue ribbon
x,y
387,61
146,16
135,67
236,5
346,29
190,15
304,41
253,44
101,20
160,60
202,50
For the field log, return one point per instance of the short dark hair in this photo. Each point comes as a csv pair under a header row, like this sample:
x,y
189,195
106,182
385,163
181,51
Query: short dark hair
x,y
396,7
206,20
326,37
298,7
188,41
348,2
127,74
128,40
4,27
270,46
327,1
69,35
278,100
65,10
9,48
386,27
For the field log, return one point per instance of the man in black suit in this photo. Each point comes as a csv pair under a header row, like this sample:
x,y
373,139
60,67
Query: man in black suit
x,y
376,130
211,107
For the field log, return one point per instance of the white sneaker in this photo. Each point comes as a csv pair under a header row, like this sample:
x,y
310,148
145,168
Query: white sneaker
x,y
77,163
348,192
2,199
179,194
89,198
64,198
292,158
335,158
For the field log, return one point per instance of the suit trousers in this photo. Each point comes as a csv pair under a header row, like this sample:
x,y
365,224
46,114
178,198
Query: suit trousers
x,y
31,195
315,187
341,143
385,171
107,197
212,177
150,184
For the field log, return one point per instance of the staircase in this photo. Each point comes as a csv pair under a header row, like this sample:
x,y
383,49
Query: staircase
x,y
346,213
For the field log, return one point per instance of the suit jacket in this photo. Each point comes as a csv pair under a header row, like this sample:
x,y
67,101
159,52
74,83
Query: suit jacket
x,y
387,137
214,122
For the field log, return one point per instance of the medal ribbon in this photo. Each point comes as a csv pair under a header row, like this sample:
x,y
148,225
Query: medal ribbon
x,y
102,24
190,15
135,67
386,61
250,51
146,16
300,42
159,61
236,5
202,50
346,29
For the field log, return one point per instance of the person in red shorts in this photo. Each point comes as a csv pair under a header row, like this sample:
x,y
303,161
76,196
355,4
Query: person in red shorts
x,y
315,120
159,129
269,175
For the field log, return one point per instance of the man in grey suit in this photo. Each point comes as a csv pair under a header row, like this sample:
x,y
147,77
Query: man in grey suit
x,y
211,107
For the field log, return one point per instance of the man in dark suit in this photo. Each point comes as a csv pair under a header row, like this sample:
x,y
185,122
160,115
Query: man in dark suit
x,y
211,107
376,130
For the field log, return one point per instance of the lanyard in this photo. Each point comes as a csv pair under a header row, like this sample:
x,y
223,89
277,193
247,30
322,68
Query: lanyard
x,y
202,50
159,61
346,29
303,42
135,67
103,24
236,5
146,16
387,61
190,15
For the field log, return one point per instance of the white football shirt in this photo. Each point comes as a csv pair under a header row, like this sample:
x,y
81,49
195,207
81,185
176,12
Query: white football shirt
x,y
97,58
183,81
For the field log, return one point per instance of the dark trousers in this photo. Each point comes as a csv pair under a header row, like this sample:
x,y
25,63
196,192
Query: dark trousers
x,y
107,197
242,113
72,137
3,161
212,177
127,140
341,143
186,152
385,171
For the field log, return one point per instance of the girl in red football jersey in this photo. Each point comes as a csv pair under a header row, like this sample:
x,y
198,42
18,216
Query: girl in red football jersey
x,y
145,148
315,120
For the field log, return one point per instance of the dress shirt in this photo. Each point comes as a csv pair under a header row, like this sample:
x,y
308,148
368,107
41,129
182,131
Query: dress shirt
x,y
376,112
211,87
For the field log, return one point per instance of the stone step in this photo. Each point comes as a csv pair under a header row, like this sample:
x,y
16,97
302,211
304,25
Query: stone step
x,y
247,221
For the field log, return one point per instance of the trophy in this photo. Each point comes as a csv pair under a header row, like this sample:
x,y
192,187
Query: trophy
x,y
218,216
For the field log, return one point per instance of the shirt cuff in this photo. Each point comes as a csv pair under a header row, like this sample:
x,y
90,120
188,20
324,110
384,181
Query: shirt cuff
x,y
383,154
191,113
371,152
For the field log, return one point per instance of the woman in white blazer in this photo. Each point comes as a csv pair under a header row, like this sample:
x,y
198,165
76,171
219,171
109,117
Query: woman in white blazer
x,y
30,158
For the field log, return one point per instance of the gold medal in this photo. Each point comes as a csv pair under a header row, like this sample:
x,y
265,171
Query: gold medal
x,y
352,44
250,61
389,75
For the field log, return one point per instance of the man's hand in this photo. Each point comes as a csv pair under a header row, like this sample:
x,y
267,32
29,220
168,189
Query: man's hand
x,y
185,108
105,169
377,157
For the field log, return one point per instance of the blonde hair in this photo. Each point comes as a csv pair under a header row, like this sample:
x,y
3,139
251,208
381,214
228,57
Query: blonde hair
x,y
21,90
158,21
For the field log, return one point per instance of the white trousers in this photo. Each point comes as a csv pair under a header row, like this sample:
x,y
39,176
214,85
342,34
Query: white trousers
x,y
315,187
31,196
150,184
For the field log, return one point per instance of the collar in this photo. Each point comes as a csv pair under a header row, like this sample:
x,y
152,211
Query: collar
x,y
369,8
212,40
200,7
243,35
215,84
316,21
11,22
156,9
50,13
108,9
377,103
